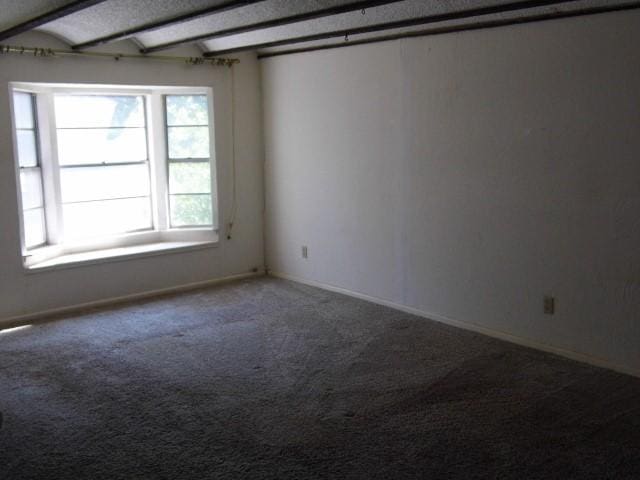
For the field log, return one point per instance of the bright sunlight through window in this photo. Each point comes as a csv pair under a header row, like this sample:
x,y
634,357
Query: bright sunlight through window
x,y
104,164
105,167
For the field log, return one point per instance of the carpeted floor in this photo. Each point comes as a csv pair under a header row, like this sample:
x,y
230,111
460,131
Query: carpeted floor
x,y
271,379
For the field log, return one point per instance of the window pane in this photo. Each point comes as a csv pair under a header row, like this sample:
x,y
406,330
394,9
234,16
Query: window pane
x,y
23,110
92,219
188,142
91,111
101,183
189,177
27,150
190,210
187,110
31,188
34,227
105,145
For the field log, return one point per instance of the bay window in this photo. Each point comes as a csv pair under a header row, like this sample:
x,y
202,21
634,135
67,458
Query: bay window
x,y
111,167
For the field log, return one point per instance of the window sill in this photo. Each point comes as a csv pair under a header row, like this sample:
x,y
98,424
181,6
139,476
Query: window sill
x,y
109,255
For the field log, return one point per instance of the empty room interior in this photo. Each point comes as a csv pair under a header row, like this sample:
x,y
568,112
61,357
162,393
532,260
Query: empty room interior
x,y
320,239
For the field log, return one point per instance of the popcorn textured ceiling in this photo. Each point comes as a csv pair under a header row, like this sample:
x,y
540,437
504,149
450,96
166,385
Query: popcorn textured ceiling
x,y
112,17
13,12
117,15
386,13
563,7
251,14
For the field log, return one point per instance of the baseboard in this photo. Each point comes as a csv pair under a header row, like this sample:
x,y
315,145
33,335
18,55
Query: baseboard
x,y
580,357
30,318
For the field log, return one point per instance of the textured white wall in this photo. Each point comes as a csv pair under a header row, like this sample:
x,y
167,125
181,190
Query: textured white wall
x,y
25,293
467,176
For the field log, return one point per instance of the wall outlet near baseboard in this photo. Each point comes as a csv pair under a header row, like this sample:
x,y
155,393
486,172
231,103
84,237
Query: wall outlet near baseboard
x,y
549,305
305,252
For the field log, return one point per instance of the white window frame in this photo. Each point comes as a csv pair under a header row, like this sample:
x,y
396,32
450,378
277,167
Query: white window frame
x,y
161,232
19,168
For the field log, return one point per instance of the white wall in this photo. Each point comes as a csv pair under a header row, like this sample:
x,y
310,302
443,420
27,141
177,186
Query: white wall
x,y
25,293
468,175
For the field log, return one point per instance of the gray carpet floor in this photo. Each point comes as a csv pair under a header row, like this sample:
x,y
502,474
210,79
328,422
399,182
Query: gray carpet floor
x,y
271,379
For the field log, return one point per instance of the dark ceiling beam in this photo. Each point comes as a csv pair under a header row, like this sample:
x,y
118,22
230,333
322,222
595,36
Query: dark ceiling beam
x,y
222,7
63,11
277,22
411,22
459,28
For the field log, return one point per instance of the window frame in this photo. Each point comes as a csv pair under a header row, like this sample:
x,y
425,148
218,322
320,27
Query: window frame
x,y
20,169
147,161
158,163
169,160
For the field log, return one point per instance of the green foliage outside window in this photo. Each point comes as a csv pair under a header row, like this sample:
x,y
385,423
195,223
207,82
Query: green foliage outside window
x,y
188,138
191,210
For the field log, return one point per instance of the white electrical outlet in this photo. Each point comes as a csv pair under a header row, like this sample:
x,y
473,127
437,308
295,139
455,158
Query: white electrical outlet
x,y
305,252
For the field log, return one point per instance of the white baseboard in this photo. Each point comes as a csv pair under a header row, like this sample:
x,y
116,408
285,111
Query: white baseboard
x,y
20,320
580,357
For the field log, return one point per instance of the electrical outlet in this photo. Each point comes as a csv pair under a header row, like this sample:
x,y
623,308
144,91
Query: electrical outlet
x,y
549,305
305,252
